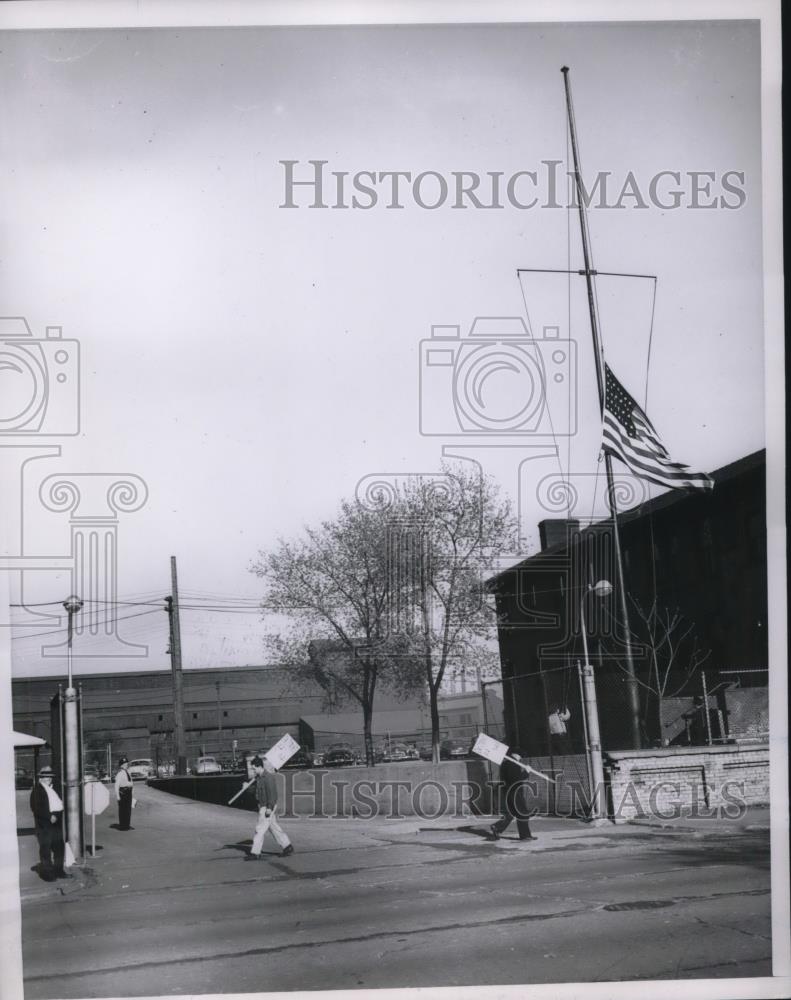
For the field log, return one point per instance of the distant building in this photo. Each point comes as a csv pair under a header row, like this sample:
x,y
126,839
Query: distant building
x,y
462,716
703,554
132,713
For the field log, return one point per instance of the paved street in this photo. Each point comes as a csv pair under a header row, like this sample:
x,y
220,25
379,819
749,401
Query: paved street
x,y
172,908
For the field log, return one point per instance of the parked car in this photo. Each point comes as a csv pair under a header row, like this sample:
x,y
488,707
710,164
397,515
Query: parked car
x,y
393,752
424,751
91,772
318,760
141,768
339,755
207,765
22,778
454,749
302,758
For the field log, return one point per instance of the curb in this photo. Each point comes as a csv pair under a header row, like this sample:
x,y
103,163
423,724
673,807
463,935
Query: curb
x,y
53,890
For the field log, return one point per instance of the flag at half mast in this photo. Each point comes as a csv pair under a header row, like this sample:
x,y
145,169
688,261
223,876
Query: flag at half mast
x,y
629,435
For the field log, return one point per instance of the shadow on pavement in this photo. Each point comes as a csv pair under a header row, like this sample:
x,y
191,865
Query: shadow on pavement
x,y
477,831
243,846
45,873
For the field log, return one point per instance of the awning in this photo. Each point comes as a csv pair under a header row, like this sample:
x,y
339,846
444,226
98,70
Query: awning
x,y
23,740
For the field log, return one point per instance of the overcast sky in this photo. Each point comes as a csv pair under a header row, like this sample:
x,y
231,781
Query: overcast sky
x,y
252,363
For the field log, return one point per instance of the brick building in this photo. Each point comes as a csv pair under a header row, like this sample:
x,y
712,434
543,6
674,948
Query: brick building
x,y
701,554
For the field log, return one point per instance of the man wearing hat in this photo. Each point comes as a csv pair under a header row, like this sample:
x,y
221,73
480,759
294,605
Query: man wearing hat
x,y
123,793
47,808
266,797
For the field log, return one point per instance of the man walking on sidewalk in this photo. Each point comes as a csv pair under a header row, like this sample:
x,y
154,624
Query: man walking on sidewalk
x,y
266,797
515,799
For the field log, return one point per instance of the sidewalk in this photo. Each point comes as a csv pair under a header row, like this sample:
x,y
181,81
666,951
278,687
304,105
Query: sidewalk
x,y
213,841
755,820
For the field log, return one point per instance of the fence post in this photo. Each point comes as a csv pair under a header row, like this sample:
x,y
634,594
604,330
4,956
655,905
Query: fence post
x,y
706,707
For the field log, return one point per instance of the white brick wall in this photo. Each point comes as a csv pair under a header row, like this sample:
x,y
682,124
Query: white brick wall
x,y
701,781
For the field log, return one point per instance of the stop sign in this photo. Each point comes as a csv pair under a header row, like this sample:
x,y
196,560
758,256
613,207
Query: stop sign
x,y
96,797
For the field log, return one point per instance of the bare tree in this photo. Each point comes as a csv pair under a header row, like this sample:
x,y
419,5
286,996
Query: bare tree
x,y
674,653
335,586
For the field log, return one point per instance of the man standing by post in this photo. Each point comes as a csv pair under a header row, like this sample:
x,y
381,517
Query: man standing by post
x,y
123,793
47,807
266,798
558,733
515,803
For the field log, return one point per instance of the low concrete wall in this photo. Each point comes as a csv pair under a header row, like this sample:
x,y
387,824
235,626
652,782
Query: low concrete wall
x,y
452,788
687,780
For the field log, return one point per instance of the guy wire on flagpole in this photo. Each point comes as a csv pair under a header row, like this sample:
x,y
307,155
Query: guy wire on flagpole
x,y
631,678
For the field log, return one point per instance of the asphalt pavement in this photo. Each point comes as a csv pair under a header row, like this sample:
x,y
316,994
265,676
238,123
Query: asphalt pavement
x,y
172,907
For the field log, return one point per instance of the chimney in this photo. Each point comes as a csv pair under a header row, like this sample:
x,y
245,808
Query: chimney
x,y
556,531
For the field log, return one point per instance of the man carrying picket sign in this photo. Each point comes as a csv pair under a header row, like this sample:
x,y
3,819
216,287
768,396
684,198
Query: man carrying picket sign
x,y
515,799
266,798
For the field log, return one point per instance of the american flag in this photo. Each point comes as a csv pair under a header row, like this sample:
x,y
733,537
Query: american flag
x,y
630,436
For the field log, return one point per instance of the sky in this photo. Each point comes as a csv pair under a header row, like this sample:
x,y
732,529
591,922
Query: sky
x,y
252,364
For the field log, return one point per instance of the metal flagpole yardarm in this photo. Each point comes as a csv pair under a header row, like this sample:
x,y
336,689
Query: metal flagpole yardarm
x,y
589,272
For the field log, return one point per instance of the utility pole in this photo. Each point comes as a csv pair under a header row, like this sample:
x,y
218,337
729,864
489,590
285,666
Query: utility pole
x,y
219,708
172,603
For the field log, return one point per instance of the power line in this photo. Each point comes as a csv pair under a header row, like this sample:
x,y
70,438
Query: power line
x,y
64,628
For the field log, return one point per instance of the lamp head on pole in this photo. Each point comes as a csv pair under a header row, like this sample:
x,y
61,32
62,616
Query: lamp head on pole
x,y
603,588
72,604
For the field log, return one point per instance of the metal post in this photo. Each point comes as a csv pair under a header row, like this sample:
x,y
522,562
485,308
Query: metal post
x,y
71,744
585,731
483,702
706,707
592,713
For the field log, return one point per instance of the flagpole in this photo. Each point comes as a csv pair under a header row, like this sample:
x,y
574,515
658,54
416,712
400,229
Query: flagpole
x,y
631,678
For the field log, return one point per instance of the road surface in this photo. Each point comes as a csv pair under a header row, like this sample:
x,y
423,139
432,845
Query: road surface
x,y
172,907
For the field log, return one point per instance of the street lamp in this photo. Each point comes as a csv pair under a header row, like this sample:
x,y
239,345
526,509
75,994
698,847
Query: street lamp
x,y
72,605
71,743
601,589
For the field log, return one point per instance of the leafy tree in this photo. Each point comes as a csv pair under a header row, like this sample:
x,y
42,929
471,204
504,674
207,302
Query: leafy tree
x,y
454,527
335,587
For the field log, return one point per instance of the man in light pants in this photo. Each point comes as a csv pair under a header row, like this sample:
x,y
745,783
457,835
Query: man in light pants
x,y
266,797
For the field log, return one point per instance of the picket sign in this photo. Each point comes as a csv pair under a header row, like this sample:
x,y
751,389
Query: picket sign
x,y
283,750
495,751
